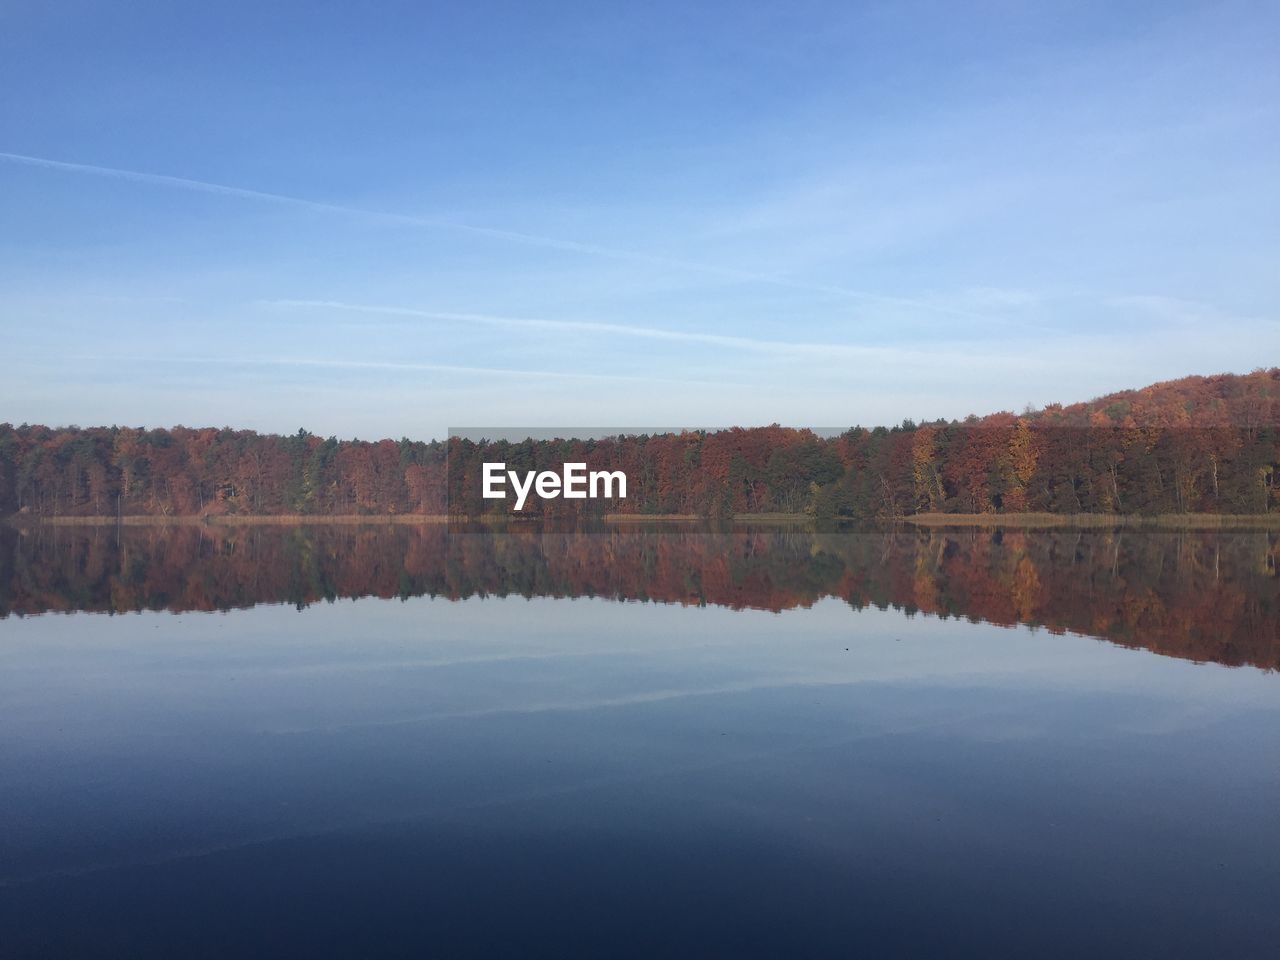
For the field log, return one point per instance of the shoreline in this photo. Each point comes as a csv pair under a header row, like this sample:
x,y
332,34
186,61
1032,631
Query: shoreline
x,y
1203,521
285,520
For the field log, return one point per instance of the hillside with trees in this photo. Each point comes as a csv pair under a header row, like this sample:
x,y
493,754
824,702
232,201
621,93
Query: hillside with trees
x,y
1195,445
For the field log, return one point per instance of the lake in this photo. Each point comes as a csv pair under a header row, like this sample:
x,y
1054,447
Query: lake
x,y
420,741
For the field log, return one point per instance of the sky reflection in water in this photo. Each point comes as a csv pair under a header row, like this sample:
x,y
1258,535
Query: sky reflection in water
x,y
552,775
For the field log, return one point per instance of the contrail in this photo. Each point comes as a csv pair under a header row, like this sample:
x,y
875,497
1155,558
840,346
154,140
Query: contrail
x,y
615,329
514,236
284,361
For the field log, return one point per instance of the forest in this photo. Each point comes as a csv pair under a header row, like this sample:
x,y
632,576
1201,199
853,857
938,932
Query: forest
x,y
1194,445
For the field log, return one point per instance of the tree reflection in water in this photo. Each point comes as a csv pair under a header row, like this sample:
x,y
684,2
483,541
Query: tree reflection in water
x,y
1209,596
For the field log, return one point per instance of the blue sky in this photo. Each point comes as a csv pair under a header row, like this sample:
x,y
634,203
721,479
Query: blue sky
x,y
389,219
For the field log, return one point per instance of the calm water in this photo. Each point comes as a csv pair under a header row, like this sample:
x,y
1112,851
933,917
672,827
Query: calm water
x,y
405,742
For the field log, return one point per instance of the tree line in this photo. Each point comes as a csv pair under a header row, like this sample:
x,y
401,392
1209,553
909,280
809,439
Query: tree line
x,y
1199,444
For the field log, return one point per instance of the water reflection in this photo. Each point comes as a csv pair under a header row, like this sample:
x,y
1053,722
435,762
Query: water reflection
x,y
1204,596
464,774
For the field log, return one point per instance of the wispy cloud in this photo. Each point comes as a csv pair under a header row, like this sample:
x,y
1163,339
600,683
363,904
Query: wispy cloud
x,y
514,236
1181,310
409,367
752,344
